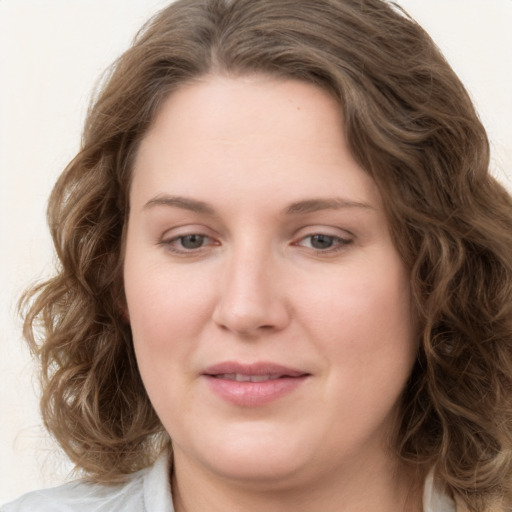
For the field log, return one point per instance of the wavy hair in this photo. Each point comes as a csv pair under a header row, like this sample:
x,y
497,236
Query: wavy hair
x,y
410,124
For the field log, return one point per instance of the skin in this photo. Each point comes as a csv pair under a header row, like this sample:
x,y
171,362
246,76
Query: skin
x,y
268,161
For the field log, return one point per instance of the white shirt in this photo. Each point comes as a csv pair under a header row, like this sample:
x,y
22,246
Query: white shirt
x,y
146,491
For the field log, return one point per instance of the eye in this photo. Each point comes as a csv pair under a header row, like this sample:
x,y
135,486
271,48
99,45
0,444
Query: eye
x,y
188,243
193,241
323,243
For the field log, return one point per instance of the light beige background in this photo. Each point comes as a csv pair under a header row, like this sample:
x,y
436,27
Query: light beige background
x,y
51,54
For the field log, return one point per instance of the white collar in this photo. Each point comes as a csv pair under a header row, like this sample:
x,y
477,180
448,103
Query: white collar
x,y
157,487
433,499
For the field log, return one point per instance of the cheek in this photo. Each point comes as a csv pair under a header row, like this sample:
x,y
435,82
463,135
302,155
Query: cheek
x,y
165,313
165,307
363,301
364,327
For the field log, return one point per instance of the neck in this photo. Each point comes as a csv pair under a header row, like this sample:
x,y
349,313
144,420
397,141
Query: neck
x,y
359,489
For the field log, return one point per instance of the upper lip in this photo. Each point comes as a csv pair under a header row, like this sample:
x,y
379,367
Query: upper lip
x,y
258,368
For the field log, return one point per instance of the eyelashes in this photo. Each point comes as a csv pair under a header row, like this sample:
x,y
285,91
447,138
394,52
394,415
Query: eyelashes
x,y
196,243
191,243
322,243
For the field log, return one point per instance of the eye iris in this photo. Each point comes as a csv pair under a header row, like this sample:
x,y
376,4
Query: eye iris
x,y
192,241
322,241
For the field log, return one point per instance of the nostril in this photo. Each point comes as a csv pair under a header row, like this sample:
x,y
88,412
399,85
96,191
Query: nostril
x,y
247,306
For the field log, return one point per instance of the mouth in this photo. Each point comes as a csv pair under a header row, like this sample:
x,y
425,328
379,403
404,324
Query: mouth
x,y
254,372
240,377
251,385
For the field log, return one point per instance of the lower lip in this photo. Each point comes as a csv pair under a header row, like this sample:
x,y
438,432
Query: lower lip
x,y
254,394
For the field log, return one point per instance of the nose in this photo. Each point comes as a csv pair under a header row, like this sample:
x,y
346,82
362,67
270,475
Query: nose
x,y
251,297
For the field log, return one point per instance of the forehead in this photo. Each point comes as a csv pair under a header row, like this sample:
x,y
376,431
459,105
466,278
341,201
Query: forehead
x,y
226,105
248,133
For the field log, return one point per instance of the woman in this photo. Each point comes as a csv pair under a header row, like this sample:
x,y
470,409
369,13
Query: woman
x,y
281,249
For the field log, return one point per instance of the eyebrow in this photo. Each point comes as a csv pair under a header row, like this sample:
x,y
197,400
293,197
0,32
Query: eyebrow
x,y
314,205
184,203
300,207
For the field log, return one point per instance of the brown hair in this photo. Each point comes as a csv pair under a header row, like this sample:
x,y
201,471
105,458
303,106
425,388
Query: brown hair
x,y
409,123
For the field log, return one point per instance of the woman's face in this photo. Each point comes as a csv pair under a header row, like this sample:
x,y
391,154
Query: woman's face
x,y
270,310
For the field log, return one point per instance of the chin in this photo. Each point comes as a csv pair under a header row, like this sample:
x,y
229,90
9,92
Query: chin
x,y
264,472
274,463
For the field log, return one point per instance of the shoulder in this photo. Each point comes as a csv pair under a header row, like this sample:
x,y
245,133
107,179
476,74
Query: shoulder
x,y
81,496
145,491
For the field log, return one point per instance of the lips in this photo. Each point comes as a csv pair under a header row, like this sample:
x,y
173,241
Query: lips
x,y
252,385
240,377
